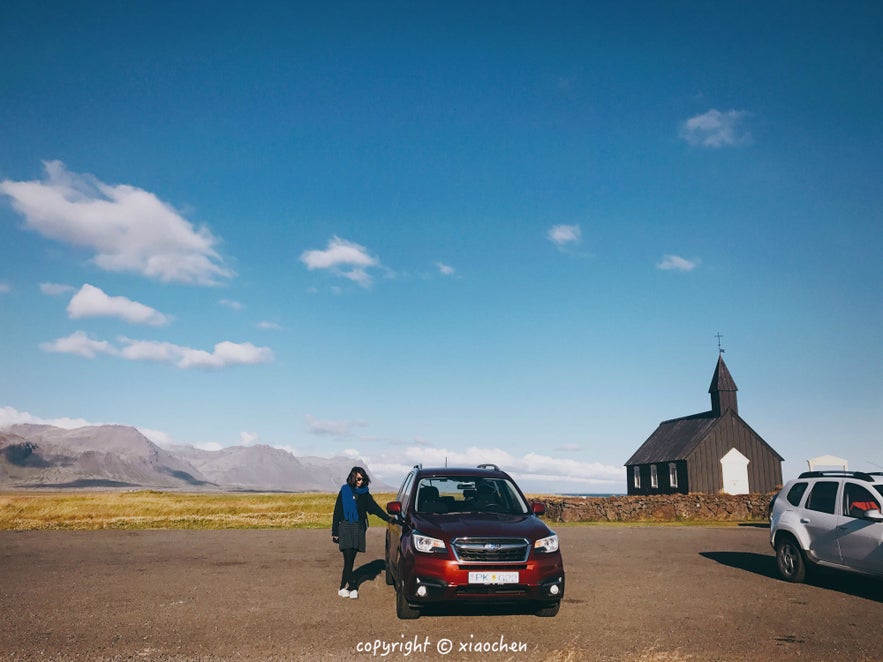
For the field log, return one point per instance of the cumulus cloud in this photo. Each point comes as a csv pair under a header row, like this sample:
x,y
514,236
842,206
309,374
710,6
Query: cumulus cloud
x,y
91,301
128,228
56,289
331,428
342,258
208,446
247,438
158,437
10,416
232,305
564,235
676,263
224,354
716,129
80,344
532,468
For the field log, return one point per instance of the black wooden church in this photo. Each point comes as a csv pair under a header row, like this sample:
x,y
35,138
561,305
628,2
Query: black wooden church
x,y
711,452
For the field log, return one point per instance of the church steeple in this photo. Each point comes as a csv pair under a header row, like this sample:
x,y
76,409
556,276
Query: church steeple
x,y
723,390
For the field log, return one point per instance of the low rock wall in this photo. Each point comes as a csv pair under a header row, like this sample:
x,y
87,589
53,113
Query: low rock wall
x,y
659,508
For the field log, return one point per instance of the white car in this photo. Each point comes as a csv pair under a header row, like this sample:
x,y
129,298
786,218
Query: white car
x,y
829,518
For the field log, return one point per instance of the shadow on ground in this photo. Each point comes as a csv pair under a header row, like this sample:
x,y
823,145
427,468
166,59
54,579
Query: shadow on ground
x,y
368,571
831,580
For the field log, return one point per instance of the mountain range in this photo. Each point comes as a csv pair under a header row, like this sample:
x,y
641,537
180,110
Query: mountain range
x,y
118,456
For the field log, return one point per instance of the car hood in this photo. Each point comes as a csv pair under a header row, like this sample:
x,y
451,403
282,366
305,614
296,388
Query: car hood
x,y
460,525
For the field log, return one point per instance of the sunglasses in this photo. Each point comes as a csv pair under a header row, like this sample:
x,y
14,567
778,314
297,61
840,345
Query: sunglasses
x,y
359,479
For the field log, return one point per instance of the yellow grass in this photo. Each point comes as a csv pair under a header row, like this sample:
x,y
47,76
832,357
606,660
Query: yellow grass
x,y
167,510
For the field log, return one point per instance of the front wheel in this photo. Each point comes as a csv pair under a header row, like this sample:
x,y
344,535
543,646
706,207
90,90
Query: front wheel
x,y
549,610
790,559
403,610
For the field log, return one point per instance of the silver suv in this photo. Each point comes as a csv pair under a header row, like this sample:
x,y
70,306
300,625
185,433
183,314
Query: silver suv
x,y
829,518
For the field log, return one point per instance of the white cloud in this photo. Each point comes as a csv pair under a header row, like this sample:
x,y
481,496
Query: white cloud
x,y
223,355
81,344
208,446
10,416
158,437
564,235
91,301
5,288
270,326
232,305
56,289
331,428
445,269
130,229
534,468
677,263
342,258
247,438
716,129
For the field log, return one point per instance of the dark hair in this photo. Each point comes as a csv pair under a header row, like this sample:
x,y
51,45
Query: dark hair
x,y
351,479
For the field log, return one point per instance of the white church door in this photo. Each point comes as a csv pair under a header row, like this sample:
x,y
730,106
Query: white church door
x,y
735,470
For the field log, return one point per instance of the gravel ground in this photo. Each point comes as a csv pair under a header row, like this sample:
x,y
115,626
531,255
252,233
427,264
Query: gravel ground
x,y
633,593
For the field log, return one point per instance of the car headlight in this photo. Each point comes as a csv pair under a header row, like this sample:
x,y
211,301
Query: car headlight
x,y
547,545
427,544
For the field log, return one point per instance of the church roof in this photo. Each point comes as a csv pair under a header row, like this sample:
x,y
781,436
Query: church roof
x,y
674,439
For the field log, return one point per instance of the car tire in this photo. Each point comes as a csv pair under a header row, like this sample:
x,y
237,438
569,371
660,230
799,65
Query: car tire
x,y
404,611
790,559
390,580
548,610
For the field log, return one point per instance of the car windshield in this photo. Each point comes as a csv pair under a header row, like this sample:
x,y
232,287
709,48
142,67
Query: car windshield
x,y
469,494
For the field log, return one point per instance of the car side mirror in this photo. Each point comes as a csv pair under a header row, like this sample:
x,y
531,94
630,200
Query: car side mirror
x,y
873,515
394,508
538,508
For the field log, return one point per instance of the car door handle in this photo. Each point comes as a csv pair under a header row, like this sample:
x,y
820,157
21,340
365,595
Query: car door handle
x,y
804,520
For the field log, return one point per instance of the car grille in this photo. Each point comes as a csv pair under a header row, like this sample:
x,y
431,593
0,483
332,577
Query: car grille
x,y
491,550
513,589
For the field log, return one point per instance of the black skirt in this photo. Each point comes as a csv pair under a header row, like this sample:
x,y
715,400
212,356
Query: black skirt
x,y
351,535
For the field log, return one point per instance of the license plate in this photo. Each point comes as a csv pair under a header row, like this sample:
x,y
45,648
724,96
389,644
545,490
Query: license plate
x,y
493,577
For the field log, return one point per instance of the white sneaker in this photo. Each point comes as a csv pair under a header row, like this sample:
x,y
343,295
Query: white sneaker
x,y
354,594
343,593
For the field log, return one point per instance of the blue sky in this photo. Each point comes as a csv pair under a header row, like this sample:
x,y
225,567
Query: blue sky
x,y
502,232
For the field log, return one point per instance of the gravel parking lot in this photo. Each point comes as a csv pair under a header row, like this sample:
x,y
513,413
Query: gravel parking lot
x,y
633,593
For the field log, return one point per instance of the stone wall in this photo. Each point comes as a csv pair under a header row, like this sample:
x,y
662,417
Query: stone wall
x,y
659,508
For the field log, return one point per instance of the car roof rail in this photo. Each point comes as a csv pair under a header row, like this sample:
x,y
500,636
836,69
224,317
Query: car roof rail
x,y
419,465
489,466
860,475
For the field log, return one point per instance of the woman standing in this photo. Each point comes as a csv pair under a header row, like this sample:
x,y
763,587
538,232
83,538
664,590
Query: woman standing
x,y
351,509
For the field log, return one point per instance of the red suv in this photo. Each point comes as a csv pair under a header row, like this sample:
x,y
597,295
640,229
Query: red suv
x,y
470,536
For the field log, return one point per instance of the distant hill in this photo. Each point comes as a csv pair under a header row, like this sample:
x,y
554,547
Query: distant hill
x,y
43,456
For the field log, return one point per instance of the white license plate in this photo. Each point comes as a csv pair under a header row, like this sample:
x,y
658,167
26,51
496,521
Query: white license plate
x,y
493,577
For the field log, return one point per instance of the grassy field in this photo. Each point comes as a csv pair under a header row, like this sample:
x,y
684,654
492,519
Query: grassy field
x,y
167,510
90,511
